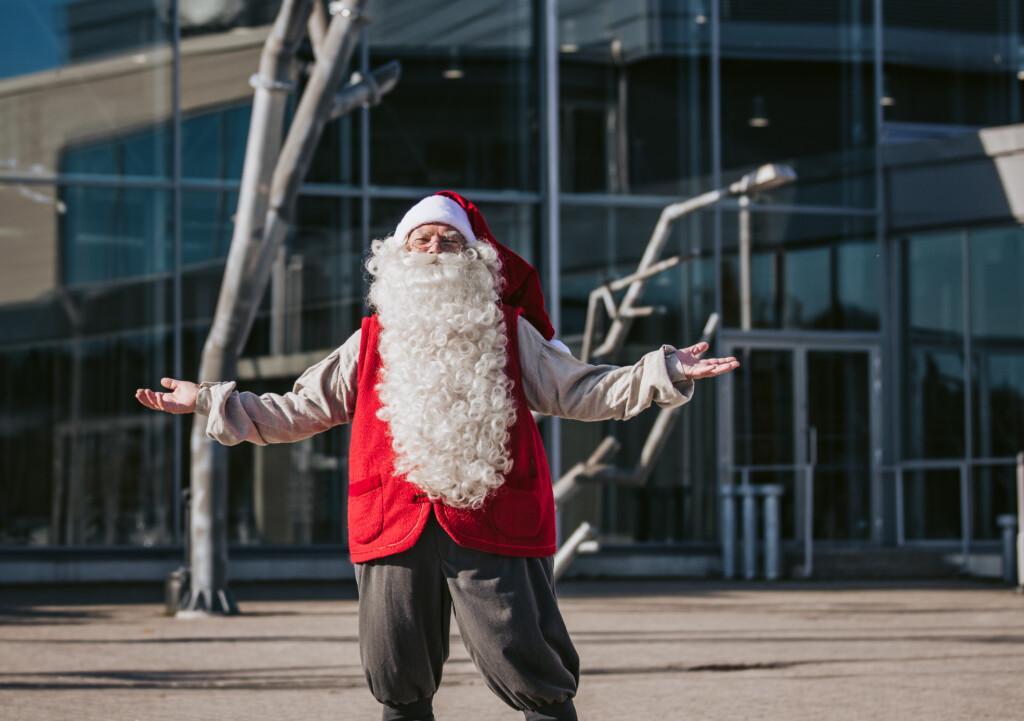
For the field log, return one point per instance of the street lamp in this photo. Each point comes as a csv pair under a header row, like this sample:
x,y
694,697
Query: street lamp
x,y
763,178
766,177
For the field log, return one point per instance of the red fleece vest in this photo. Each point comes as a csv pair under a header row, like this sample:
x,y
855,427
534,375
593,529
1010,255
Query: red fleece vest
x,y
386,513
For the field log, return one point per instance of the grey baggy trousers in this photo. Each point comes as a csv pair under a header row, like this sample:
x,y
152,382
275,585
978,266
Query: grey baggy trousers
x,y
506,611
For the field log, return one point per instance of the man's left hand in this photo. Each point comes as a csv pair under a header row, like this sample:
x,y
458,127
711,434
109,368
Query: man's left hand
x,y
695,367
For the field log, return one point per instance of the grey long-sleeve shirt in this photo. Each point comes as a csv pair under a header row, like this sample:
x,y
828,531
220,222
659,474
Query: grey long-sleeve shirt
x,y
555,383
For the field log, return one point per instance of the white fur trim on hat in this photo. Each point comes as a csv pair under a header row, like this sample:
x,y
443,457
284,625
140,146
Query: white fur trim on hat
x,y
435,209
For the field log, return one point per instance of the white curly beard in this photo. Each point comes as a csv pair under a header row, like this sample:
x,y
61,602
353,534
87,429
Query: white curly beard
x,y
443,386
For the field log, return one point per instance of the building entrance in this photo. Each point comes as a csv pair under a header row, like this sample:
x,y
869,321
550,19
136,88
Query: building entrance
x,y
806,416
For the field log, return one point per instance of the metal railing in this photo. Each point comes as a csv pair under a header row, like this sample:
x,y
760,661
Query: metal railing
x,y
964,467
804,470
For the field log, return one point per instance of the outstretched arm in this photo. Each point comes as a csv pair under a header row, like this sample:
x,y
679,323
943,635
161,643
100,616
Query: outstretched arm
x,y
558,384
323,397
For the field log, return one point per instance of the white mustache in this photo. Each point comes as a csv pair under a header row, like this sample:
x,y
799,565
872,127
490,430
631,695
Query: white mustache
x,y
414,259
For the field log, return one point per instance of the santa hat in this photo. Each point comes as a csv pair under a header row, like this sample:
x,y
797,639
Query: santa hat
x,y
435,209
522,282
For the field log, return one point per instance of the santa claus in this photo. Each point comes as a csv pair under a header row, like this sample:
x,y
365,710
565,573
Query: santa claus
x,y
450,504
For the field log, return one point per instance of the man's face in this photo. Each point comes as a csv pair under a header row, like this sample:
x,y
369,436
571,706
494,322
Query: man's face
x,y
435,238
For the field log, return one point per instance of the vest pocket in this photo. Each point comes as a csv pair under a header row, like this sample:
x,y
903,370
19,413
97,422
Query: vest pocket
x,y
365,509
516,513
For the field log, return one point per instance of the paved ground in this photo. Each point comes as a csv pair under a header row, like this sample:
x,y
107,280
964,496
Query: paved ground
x,y
649,651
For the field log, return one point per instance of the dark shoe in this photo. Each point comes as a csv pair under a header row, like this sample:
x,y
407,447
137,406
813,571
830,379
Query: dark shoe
x,y
422,710
564,711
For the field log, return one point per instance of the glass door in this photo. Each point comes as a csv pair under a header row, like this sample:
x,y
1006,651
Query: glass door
x,y
790,407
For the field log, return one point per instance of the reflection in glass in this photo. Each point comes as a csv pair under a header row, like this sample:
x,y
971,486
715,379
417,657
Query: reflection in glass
x,y
934,410
206,225
997,294
213,142
86,312
797,87
73,403
810,272
933,363
934,296
952,69
77,81
998,403
465,111
763,408
114,233
323,274
837,407
931,505
634,97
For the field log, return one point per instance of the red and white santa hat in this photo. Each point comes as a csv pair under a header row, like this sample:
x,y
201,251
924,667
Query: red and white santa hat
x,y
522,281
435,209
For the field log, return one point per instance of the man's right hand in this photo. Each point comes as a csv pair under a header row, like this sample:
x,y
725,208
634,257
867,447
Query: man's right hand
x,y
181,399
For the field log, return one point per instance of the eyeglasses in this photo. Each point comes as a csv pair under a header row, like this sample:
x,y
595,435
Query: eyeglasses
x,y
451,242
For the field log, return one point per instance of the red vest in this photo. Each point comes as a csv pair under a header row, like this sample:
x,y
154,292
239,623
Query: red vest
x,y
386,513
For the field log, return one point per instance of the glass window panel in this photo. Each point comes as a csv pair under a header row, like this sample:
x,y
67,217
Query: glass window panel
x,y
931,505
934,292
838,408
207,223
951,69
797,87
71,358
31,218
998,403
934,366
111,233
97,72
814,272
324,272
763,407
213,143
934,409
997,294
465,113
634,97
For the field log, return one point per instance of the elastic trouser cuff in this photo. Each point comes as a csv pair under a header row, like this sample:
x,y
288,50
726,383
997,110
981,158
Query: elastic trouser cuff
x,y
422,710
564,711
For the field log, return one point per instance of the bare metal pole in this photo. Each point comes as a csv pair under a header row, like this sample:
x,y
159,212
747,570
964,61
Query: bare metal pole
x,y
568,550
744,250
317,26
311,116
208,528
367,91
1020,521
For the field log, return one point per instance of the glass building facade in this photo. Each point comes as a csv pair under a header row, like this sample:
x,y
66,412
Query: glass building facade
x,y
879,324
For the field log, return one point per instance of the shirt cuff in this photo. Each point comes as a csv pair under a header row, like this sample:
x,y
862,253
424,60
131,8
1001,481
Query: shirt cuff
x,y
204,400
676,371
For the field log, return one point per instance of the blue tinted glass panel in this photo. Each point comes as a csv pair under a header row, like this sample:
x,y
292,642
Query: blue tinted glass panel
x,y
114,233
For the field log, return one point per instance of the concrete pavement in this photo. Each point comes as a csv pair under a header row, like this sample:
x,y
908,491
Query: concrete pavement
x,y
650,650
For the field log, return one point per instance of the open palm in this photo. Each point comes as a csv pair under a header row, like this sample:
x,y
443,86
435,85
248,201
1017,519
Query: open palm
x,y
695,367
181,399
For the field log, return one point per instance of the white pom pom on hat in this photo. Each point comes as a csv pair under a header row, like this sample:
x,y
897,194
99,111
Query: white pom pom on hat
x,y
434,209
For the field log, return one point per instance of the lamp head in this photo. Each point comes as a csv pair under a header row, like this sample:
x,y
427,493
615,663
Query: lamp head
x,y
766,177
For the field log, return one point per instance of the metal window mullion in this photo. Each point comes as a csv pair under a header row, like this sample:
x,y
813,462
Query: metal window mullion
x,y
177,219
967,500
364,160
724,440
549,145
